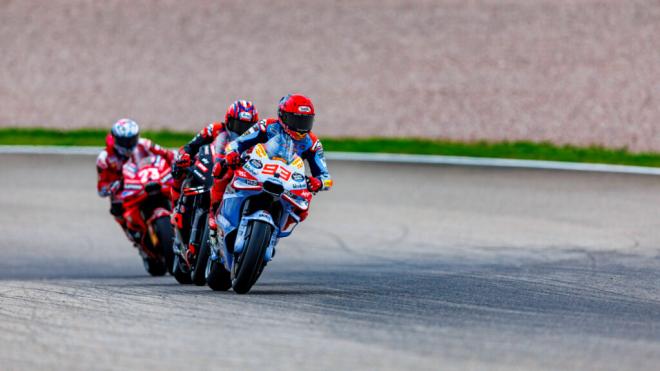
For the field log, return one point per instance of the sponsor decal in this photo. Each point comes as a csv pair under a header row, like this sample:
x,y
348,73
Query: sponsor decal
x,y
298,177
202,167
298,163
256,163
261,152
247,116
199,175
304,109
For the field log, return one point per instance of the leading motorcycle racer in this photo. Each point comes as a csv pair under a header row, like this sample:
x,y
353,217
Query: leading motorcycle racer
x,y
122,145
295,119
240,116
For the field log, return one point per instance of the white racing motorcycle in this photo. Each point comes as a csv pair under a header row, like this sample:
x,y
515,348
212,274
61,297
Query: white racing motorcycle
x,y
259,207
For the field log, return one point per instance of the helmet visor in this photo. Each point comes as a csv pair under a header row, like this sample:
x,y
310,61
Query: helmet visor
x,y
298,123
238,126
126,144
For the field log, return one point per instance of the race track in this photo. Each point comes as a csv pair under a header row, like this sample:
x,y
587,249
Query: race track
x,y
399,267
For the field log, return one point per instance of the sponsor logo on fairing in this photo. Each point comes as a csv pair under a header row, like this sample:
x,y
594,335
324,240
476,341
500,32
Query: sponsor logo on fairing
x,y
256,163
304,109
298,177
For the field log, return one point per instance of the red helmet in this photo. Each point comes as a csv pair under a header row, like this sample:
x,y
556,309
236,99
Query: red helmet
x,y
240,116
296,112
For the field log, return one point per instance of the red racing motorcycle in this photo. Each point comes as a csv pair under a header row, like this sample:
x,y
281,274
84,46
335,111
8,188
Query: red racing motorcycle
x,y
146,195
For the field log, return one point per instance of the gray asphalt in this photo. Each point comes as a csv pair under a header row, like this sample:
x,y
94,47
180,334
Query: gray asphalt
x,y
399,267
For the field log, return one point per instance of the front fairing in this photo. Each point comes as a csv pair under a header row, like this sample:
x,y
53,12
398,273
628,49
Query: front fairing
x,y
138,177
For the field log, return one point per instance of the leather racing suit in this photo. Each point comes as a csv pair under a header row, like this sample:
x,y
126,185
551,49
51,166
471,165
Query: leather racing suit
x,y
309,148
109,166
218,134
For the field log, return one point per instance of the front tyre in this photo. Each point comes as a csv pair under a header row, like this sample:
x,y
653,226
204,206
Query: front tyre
x,y
165,233
181,275
155,267
217,277
199,269
250,263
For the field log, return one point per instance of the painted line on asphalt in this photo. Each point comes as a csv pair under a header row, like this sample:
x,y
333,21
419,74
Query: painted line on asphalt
x,y
390,158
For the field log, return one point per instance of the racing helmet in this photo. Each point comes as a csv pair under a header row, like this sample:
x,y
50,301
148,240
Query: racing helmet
x,y
296,112
240,116
125,134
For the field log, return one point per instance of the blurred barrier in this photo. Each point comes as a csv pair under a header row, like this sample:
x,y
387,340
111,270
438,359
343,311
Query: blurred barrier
x,y
391,158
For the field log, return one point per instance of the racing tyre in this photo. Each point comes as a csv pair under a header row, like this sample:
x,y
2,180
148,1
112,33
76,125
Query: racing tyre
x,y
217,277
155,267
165,233
250,263
199,269
181,275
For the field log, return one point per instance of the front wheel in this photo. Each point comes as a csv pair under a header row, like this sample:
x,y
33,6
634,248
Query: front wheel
x,y
217,277
250,262
181,274
165,233
199,269
155,267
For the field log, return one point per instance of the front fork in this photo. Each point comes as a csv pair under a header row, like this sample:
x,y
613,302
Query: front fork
x,y
220,252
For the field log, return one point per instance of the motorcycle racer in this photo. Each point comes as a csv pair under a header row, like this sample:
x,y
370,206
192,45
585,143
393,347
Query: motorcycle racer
x,y
123,145
295,119
239,117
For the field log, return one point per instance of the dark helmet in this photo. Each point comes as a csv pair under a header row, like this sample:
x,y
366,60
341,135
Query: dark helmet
x,y
240,116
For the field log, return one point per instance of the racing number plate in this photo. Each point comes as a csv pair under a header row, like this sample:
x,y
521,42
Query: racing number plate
x,y
271,169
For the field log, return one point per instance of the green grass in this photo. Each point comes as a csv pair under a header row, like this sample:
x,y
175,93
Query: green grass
x,y
517,150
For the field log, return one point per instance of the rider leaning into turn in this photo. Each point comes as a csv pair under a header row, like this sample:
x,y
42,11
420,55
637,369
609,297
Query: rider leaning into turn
x,y
240,116
295,119
122,145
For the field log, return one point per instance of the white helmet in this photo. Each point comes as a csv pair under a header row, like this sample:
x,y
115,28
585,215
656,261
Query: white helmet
x,y
125,133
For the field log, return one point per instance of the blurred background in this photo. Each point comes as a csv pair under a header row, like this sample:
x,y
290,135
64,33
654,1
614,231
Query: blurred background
x,y
568,71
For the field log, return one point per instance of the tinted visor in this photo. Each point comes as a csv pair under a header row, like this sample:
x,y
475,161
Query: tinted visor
x,y
238,126
126,143
298,123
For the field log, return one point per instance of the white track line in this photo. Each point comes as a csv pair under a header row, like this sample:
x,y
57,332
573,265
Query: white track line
x,y
390,158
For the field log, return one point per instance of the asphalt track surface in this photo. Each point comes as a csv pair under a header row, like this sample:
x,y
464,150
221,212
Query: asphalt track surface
x,y
399,267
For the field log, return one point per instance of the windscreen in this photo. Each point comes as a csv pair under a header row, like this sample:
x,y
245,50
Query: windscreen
x,y
146,161
281,147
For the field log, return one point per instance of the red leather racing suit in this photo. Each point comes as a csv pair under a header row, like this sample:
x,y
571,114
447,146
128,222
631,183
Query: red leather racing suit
x,y
109,166
216,133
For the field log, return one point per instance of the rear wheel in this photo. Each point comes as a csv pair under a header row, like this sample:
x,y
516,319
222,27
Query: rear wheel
x,y
199,269
165,233
249,264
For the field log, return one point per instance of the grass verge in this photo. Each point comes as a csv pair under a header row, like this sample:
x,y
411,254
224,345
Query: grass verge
x,y
517,150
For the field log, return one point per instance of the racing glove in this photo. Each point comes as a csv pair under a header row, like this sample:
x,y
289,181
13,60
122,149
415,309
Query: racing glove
x,y
111,188
183,159
314,184
233,158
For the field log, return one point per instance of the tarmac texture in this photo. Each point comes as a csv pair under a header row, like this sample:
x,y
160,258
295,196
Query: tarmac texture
x,y
398,267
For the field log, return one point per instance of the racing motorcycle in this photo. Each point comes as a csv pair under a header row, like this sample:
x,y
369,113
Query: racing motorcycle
x,y
147,187
192,232
259,207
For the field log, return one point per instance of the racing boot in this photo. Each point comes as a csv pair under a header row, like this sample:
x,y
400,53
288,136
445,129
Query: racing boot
x,y
213,225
